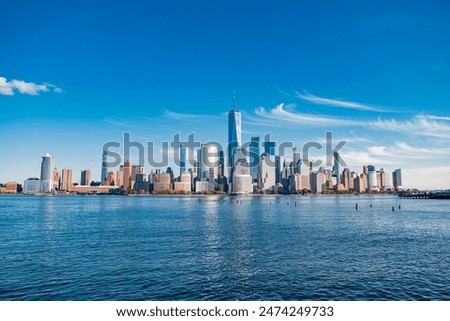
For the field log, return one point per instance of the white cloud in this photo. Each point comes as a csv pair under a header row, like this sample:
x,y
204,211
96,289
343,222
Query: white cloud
x,y
288,113
438,117
8,88
337,102
184,116
419,125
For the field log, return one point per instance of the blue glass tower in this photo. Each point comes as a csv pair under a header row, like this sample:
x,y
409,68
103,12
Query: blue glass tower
x,y
234,132
254,156
104,167
182,159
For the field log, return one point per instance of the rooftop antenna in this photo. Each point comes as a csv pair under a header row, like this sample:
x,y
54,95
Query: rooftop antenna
x,y
234,99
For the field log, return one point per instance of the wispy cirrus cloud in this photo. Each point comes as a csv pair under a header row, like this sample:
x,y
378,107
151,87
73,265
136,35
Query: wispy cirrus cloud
x,y
9,88
287,113
186,116
338,102
419,125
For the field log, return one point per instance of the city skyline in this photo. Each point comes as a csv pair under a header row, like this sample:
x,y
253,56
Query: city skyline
x,y
377,76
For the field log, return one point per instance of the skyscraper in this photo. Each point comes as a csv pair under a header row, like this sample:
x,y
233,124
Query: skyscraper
x,y
269,148
234,131
397,179
66,179
126,176
47,167
85,177
182,159
337,172
104,167
372,178
209,162
254,157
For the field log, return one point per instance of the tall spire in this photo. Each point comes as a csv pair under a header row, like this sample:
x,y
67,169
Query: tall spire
x,y
234,99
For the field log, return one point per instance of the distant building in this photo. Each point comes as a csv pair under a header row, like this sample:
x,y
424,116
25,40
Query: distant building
x,y
110,179
269,147
337,172
386,180
85,177
299,183
397,179
182,159
209,161
141,185
234,131
163,184
47,167
9,188
184,185
346,179
317,182
66,183
242,180
127,176
266,174
104,167
372,178
32,185
254,155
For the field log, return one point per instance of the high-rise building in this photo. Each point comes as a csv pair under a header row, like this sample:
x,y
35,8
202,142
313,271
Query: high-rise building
x,y
182,159
254,157
337,172
221,163
127,176
47,167
397,179
104,167
297,161
266,174
85,177
110,179
346,178
269,148
234,132
386,180
372,178
209,162
242,180
32,185
66,184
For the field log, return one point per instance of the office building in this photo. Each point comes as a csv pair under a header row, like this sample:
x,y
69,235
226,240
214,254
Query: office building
x,y
85,177
32,185
372,178
266,174
242,180
66,182
182,159
397,179
254,157
127,176
234,132
209,162
47,168
104,167
336,167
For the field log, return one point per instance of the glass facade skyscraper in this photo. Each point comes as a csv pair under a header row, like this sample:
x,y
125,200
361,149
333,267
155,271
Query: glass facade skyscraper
x,y
104,167
47,166
234,134
254,157
182,159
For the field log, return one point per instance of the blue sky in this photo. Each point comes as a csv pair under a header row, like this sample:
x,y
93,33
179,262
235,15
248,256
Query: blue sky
x,y
74,76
